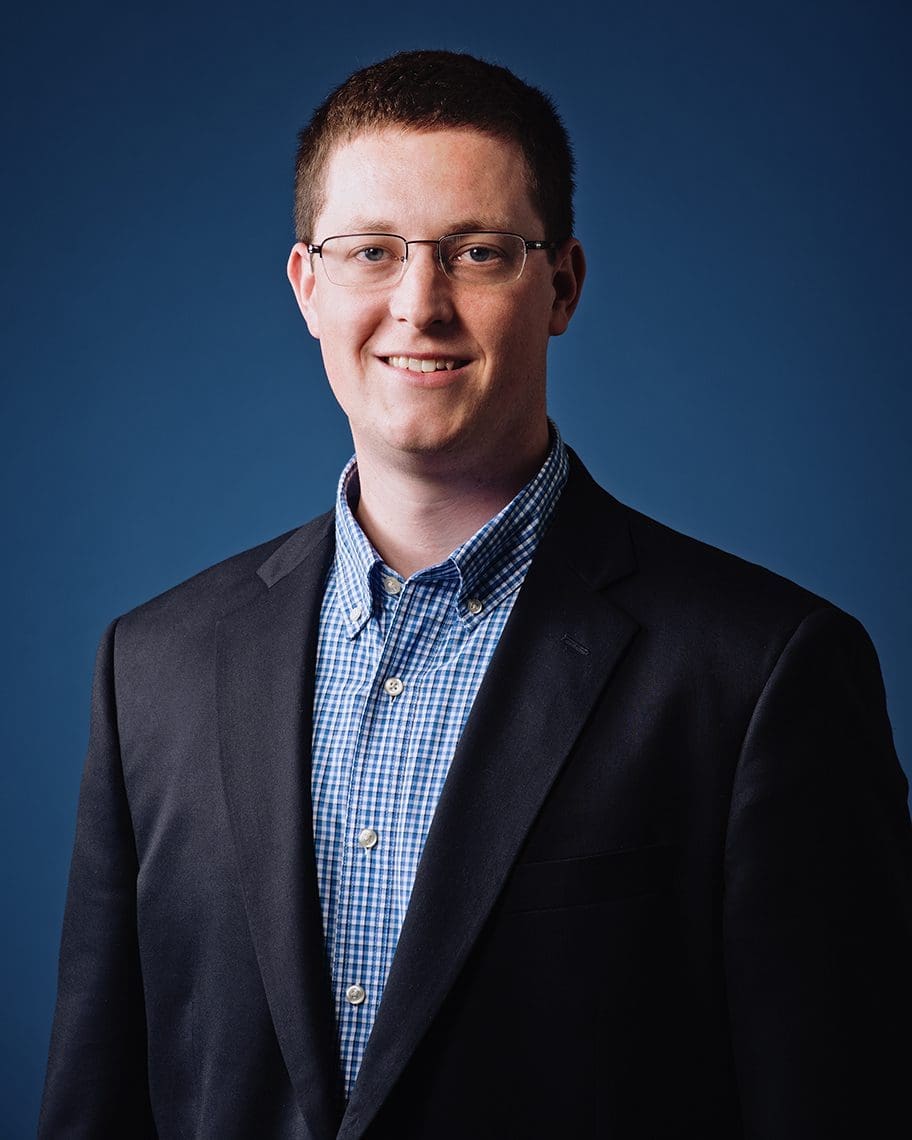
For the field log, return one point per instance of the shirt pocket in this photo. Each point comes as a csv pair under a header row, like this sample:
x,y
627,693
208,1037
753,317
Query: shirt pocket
x,y
590,879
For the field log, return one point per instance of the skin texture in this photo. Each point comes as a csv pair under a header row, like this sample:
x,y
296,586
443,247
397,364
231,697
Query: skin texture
x,y
438,453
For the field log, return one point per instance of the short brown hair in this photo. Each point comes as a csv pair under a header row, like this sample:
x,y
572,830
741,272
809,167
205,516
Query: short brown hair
x,y
427,90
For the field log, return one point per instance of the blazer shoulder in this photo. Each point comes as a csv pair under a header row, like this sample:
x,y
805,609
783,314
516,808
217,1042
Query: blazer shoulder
x,y
671,579
711,572
227,585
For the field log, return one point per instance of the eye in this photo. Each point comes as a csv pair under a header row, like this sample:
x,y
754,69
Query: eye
x,y
478,255
373,255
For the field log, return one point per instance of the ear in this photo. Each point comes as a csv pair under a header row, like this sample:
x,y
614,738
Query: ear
x,y
567,278
301,275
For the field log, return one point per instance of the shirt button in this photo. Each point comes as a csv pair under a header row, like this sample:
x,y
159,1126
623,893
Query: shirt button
x,y
354,613
393,686
368,838
355,994
392,585
474,606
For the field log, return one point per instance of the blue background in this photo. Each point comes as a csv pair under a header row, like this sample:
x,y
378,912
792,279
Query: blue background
x,y
739,366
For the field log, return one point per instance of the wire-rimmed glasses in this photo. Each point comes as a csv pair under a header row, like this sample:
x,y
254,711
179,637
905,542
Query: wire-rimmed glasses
x,y
485,257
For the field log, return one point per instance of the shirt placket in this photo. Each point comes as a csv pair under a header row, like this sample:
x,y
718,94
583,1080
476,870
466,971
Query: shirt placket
x,y
411,620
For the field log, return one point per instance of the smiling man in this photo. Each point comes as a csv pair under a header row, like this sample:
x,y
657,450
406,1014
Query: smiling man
x,y
482,806
435,349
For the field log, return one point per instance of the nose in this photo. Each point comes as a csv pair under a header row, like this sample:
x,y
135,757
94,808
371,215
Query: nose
x,y
423,296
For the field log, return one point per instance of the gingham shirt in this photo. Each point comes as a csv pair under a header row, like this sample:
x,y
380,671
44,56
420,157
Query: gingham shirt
x,y
398,666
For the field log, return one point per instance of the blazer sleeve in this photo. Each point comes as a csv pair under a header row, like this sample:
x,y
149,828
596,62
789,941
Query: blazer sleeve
x,y
97,1083
818,897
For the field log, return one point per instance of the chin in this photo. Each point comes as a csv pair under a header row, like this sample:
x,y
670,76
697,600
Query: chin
x,y
421,437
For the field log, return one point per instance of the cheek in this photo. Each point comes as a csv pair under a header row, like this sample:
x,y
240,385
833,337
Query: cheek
x,y
345,327
516,326
522,339
491,325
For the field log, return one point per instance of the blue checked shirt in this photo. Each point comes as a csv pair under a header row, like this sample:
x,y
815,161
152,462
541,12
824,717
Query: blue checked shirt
x,y
398,666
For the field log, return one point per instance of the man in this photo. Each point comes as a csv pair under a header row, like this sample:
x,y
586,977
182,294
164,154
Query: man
x,y
484,806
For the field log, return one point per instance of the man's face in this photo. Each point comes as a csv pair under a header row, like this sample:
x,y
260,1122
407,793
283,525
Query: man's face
x,y
490,404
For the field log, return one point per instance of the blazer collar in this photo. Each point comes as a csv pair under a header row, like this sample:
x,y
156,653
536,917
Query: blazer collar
x,y
265,679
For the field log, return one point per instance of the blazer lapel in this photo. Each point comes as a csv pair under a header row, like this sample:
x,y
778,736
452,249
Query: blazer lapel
x,y
265,674
560,645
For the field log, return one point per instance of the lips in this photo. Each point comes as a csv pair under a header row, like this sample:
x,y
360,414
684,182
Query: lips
x,y
425,364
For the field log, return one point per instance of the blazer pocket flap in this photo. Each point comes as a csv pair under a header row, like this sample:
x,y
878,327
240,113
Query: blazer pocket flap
x,y
590,878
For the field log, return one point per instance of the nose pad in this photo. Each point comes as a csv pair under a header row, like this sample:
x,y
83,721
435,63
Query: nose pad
x,y
433,254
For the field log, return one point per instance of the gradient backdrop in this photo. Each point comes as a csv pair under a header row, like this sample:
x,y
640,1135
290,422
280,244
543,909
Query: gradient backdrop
x,y
739,366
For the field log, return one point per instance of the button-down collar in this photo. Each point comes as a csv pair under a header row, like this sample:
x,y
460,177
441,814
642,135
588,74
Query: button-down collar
x,y
490,564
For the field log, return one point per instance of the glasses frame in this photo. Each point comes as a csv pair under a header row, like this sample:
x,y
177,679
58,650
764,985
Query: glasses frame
x,y
316,249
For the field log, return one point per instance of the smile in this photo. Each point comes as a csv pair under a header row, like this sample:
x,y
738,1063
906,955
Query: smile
x,y
413,364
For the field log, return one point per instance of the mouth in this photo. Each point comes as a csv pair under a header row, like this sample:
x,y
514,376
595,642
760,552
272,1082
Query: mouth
x,y
425,364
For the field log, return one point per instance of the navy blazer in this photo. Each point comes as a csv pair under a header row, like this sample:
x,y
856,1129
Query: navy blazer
x,y
666,892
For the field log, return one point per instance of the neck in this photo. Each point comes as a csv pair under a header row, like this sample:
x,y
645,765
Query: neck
x,y
414,521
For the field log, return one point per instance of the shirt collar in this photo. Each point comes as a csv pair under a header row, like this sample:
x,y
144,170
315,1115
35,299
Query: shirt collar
x,y
490,564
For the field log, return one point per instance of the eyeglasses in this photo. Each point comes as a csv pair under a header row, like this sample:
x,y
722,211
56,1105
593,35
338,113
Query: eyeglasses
x,y
366,261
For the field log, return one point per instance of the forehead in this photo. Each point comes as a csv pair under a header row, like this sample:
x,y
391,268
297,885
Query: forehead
x,y
433,181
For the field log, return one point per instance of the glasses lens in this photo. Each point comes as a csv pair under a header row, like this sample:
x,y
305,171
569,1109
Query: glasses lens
x,y
483,258
363,259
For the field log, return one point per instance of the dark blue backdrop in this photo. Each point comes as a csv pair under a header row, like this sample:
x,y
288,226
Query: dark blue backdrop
x,y
739,366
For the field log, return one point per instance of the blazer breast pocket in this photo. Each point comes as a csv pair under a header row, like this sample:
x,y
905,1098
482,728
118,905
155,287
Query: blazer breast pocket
x,y
590,879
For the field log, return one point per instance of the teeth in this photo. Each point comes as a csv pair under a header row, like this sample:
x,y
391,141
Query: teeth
x,y
414,365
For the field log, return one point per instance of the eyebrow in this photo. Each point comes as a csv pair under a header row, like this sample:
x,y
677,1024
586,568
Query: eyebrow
x,y
365,225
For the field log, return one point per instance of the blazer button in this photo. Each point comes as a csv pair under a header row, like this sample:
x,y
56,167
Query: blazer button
x,y
355,994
